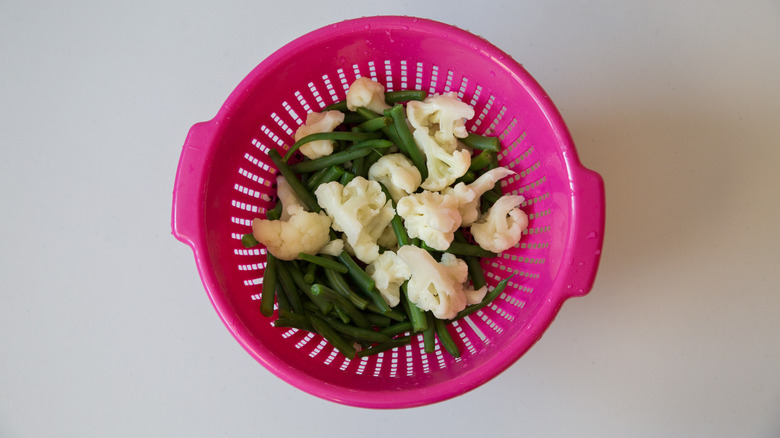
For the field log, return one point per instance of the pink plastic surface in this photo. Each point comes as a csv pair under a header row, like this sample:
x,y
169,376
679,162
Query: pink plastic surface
x,y
225,179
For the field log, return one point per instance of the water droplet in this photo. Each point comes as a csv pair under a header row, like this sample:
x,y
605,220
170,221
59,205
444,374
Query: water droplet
x,y
501,57
405,27
493,74
598,251
581,290
582,263
414,20
570,286
592,235
342,60
367,26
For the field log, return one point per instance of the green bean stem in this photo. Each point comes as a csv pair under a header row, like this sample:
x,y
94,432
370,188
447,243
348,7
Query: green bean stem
x,y
492,295
248,240
416,315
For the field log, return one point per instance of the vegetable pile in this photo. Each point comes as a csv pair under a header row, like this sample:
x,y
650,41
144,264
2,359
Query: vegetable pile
x,y
379,228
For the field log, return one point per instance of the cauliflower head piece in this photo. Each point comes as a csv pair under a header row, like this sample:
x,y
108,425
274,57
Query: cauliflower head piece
x,y
469,195
437,287
367,93
437,123
296,231
360,210
502,226
397,173
317,122
389,273
431,216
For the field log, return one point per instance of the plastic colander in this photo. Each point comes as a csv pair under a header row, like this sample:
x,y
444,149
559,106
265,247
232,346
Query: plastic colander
x,y
225,179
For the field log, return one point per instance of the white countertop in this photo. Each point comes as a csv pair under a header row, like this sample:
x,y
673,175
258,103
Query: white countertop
x,y
106,328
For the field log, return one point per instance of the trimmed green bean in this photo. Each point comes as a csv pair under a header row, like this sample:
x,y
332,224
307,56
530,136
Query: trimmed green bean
x,y
361,278
373,124
330,160
416,315
394,97
476,273
332,336
467,178
357,333
482,142
337,106
293,320
445,338
248,240
464,249
385,346
389,131
397,328
481,161
346,178
335,135
269,286
429,334
325,262
339,301
377,320
492,295
353,118
491,196
324,176
406,141
338,284
304,195
289,287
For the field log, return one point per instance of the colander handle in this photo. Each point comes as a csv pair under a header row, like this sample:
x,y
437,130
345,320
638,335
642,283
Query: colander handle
x,y
588,231
188,190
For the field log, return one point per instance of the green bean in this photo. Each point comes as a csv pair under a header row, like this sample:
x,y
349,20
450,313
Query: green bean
x,y
393,314
274,213
362,280
397,223
476,273
416,315
482,142
481,161
357,333
335,135
397,329
269,286
358,167
464,249
467,178
311,273
324,176
249,241
389,131
338,300
385,346
346,178
491,196
406,141
330,160
289,287
325,262
445,338
338,284
337,106
304,195
492,295
332,336
393,97
373,124
293,320
353,118
429,334
376,143
378,320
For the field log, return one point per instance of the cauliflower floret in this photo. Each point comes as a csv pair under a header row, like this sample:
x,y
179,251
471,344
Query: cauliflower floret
x,y
359,209
502,226
333,248
469,195
389,272
461,270
437,123
397,173
431,216
437,287
296,231
444,114
367,93
317,122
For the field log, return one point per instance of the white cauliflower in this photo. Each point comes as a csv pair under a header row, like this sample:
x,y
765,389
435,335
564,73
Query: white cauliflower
x,y
367,93
333,248
437,123
318,122
469,195
296,231
397,173
437,287
442,114
502,226
431,216
389,273
360,210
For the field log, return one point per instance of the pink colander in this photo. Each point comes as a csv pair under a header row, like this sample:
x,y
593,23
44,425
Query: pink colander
x,y
225,179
